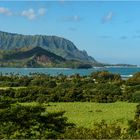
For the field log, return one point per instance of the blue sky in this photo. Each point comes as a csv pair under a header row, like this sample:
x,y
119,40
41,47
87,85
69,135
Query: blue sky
x,y
108,31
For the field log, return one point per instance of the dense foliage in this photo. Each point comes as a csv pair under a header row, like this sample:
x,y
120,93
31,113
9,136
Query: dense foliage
x,y
101,130
18,121
102,87
45,88
24,121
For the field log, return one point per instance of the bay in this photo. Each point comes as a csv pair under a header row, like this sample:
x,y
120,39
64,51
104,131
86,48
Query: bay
x,y
123,71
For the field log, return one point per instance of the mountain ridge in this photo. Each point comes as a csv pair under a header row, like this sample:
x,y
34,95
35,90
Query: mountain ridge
x,y
57,45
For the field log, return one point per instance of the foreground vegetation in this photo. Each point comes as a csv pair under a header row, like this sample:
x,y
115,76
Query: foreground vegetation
x,y
90,106
85,114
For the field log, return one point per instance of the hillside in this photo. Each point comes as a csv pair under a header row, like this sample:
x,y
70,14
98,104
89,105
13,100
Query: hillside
x,y
37,57
54,44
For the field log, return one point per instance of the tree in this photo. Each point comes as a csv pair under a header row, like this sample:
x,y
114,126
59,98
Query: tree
x,y
18,121
103,76
134,125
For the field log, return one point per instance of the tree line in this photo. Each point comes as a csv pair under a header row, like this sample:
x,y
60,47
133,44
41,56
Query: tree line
x,y
102,87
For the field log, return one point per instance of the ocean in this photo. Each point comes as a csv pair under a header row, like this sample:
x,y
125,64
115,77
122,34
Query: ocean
x,y
125,72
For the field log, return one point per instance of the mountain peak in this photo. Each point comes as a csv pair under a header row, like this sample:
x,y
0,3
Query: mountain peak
x,y
57,45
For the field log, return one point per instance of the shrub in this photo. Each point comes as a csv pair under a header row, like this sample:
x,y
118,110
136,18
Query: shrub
x,y
134,125
101,130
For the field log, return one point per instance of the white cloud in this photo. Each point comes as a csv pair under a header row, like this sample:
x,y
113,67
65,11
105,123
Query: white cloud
x,y
41,11
76,18
30,14
108,17
5,11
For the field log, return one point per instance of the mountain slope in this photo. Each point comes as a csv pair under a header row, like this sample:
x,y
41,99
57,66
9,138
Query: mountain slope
x,y
54,44
37,57
36,52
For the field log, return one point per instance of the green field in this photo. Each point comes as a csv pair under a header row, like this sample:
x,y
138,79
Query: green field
x,y
86,114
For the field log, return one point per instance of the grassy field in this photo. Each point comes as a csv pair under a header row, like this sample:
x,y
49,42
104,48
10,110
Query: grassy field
x,y
86,114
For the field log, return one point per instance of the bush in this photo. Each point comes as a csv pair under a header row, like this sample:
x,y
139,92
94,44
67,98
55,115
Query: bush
x,y
134,125
101,130
136,97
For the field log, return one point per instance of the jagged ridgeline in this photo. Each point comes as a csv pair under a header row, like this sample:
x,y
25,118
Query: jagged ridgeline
x,y
57,45
18,50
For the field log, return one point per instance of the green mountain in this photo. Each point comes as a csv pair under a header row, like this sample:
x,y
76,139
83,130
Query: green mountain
x,y
37,57
54,44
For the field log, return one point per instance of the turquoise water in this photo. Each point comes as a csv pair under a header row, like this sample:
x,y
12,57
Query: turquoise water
x,y
123,71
